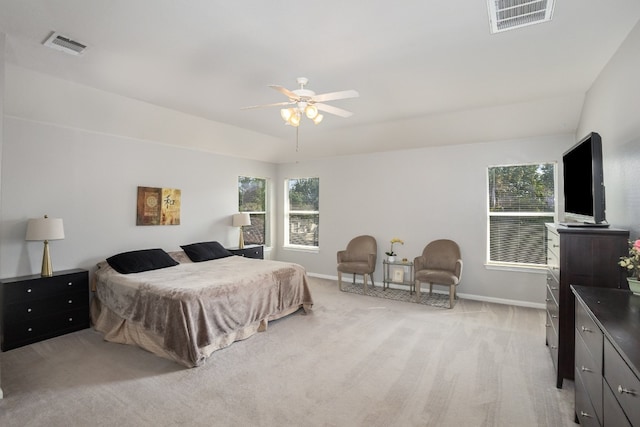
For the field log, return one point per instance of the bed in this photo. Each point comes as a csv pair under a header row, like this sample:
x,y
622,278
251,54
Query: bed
x,y
188,310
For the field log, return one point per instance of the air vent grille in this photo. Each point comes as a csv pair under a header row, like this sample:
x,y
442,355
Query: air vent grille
x,y
511,14
65,44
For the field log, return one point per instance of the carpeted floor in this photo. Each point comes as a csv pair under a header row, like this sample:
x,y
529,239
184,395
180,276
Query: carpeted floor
x,y
355,361
434,300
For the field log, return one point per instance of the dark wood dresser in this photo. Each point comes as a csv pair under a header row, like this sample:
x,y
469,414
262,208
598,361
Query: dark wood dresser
x,y
251,251
607,358
577,256
35,308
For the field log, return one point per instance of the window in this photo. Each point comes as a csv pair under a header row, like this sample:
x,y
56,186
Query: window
x,y
252,197
521,201
302,212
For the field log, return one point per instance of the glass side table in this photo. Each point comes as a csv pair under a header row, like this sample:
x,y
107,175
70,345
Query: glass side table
x,y
399,273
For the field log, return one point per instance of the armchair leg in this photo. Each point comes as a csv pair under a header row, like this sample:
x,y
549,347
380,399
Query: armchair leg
x,y
430,288
416,286
340,280
364,279
452,295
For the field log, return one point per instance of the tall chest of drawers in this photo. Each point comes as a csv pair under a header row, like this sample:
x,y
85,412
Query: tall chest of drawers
x,y
36,308
577,256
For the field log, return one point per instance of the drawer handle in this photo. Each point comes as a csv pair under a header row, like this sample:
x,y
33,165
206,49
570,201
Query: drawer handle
x,y
70,301
29,310
29,290
586,415
29,329
70,284
70,319
585,369
585,329
623,390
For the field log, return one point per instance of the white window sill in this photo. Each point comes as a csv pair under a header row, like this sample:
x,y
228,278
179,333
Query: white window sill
x,y
295,248
542,269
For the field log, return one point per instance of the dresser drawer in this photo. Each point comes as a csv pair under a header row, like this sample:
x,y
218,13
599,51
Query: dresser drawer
x,y
590,333
624,384
44,327
29,310
584,410
590,374
552,340
45,287
553,287
613,414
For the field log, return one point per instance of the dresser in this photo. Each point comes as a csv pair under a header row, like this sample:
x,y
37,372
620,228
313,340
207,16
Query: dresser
x,y
35,308
577,256
607,358
251,251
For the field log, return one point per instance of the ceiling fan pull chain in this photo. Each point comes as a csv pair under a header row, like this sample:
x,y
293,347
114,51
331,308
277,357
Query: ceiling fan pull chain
x,y
297,139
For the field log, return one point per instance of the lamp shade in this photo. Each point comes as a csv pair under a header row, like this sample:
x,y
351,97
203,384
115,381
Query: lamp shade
x,y
241,219
45,229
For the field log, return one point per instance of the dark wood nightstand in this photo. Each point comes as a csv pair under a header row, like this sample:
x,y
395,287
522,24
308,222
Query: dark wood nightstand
x,y
35,308
250,251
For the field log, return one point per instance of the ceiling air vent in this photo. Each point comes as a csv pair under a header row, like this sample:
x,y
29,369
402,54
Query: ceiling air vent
x,y
65,44
507,15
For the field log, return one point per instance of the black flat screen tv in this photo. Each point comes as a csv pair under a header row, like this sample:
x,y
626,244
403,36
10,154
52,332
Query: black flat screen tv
x,y
584,198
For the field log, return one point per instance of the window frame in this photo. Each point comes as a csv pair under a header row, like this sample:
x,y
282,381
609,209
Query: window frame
x,y
266,212
287,216
518,266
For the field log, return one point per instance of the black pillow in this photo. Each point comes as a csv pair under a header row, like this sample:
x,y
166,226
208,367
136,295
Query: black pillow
x,y
142,260
205,251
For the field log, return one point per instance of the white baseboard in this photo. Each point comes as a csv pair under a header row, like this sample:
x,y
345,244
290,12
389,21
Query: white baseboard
x,y
504,301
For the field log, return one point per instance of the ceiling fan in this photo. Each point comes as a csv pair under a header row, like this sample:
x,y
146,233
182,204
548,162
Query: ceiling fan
x,y
305,101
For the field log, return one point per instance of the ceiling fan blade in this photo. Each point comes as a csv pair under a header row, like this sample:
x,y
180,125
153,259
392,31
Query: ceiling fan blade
x,y
277,104
332,96
286,92
333,110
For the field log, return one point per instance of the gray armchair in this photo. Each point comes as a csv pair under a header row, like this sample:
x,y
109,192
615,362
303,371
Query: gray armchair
x,y
359,258
440,264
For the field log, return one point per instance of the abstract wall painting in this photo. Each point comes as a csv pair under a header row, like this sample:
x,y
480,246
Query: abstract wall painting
x,y
158,206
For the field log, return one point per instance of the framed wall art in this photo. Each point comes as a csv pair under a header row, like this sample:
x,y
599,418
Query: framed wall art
x,y
158,206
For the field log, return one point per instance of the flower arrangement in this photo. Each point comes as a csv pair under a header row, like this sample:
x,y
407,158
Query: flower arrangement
x,y
394,240
631,263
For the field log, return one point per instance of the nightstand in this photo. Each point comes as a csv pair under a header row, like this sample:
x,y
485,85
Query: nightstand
x,y
249,251
35,308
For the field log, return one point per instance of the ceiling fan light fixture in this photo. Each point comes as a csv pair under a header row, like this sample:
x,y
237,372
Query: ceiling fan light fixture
x,y
318,118
285,113
311,111
294,120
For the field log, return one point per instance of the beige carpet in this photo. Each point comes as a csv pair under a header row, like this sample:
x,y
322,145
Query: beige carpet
x,y
356,361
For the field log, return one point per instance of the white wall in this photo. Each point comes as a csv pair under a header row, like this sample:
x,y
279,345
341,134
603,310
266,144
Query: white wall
x,y
612,109
418,196
90,180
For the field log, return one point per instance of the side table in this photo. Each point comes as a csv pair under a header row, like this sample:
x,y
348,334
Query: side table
x,y
250,251
395,272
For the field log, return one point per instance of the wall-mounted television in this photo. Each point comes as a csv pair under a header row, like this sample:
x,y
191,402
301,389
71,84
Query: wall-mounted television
x,y
584,198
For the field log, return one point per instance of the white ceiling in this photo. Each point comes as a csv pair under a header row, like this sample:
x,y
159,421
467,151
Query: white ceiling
x,y
428,72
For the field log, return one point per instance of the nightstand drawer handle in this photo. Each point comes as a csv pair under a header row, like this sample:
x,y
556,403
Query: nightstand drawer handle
x,y
29,329
585,369
70,319
623,390
28,310
70,301
70,284
585,329
29,290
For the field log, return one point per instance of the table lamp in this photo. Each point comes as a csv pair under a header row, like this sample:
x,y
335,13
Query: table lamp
x,y
45,229
240,220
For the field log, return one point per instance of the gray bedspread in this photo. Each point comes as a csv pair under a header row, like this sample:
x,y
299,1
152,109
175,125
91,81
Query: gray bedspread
x,y
195,308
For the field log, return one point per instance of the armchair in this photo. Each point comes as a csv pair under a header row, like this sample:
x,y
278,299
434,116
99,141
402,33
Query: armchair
x,y
359,258
441,264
